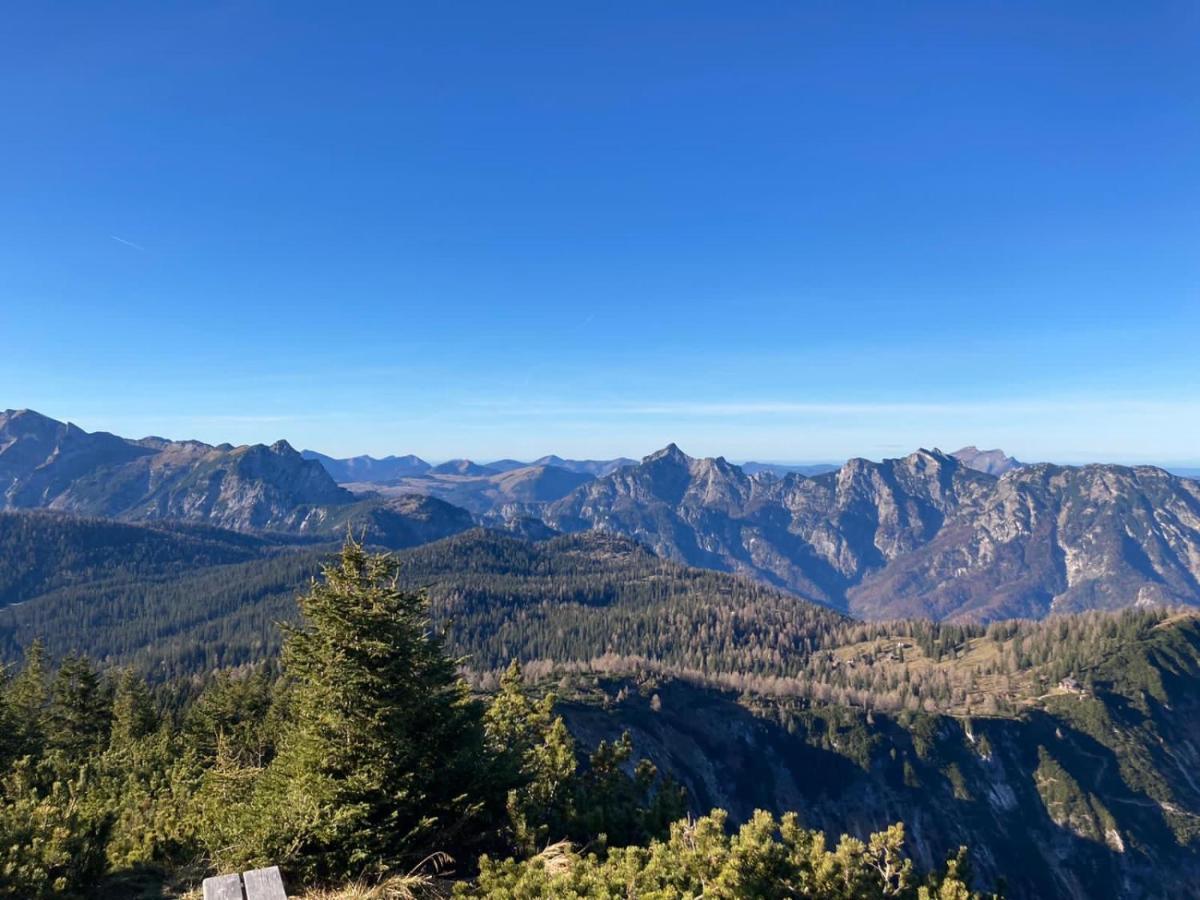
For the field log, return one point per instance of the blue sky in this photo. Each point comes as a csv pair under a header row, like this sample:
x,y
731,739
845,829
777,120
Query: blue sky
x,y
790,231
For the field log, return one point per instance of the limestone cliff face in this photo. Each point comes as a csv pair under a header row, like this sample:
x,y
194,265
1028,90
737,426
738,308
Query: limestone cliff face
x,y
923,535
1051,539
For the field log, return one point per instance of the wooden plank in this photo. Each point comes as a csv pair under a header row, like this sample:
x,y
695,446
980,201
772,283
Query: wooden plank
x,y
264,884
223,887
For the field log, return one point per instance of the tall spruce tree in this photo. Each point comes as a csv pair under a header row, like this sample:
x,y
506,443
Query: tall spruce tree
x,y
382,761
132,711
79,714
28,694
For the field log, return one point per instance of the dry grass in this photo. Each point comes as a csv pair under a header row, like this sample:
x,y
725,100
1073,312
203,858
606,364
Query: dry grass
x,y
399,887
556,858
423,882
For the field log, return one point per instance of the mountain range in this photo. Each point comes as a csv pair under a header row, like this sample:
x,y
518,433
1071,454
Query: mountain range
x,y
973,535
46,464
368,469
925,535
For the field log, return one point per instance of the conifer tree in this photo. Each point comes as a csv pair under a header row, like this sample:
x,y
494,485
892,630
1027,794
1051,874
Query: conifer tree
x,y
28,696
536,754
132,710
77,719
382,761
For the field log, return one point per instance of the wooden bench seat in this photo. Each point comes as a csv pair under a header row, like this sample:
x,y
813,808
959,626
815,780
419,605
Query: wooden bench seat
x,y
259,884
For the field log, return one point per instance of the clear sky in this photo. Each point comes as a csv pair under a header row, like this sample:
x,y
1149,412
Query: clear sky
x,y
788,231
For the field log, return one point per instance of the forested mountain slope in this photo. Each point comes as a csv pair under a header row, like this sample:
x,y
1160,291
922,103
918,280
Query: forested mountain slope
x,y
361,756
1087,793
572,597
588,602
44,551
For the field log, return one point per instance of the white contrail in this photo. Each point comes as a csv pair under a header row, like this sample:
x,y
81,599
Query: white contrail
x,y
120,240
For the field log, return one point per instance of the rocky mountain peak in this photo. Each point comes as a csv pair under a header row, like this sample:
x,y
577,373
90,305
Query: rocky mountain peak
x,y
24,423
923,456
670,453
990,462
30,416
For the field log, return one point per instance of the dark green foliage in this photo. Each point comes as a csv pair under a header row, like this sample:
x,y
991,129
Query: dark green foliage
x,y
766,859
237,717
78,717
25,704
553,798
380,758
204,619
51,843
133,713
45,552
535,755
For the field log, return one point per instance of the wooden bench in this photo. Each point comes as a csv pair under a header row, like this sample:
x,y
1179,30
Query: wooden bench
x,y
259,884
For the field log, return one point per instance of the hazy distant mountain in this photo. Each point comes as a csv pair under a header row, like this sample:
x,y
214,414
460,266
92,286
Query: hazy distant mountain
x,y
781,469
595,467
924,534
489,494
367,468
537,483
505,465
46,464
993,462
461,467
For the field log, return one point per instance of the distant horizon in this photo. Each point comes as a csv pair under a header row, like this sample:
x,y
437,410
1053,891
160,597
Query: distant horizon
x,y
1189,465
